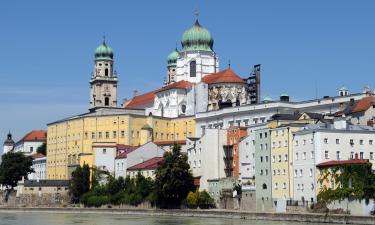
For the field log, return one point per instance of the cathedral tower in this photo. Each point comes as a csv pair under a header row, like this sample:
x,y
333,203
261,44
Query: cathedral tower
x,y
172,60
8,144
103,83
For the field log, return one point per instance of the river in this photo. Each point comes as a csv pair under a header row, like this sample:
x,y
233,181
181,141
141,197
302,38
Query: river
x,y
43,218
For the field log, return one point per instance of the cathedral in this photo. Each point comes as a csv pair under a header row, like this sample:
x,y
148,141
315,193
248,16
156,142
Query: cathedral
x,y
194,83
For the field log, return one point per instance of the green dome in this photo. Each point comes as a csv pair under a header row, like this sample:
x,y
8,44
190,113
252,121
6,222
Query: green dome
x,y
172,58
284,95
343,88
267,99
103,52
197,38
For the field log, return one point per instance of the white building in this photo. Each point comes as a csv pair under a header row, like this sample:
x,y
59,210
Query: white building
x,y
39,166
105,153
146,168
30,142
206,156
323,142
246,115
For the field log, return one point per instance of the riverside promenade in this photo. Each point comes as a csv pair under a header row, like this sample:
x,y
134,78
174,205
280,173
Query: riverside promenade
x,y
228,214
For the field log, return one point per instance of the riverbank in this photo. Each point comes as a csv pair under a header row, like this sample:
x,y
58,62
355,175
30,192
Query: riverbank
x,y
293,217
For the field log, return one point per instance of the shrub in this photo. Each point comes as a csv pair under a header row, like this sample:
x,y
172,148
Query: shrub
x,y
205,201
192,200
97,201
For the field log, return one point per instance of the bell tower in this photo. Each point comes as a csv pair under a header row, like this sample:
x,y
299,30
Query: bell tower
x,y
103,83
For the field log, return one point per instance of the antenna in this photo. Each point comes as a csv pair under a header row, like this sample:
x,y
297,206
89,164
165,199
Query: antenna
x,y
103,37
229,63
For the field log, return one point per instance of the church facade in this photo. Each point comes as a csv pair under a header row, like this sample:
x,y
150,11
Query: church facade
x,y
194,84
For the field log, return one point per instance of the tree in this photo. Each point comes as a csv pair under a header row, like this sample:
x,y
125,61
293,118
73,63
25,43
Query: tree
x,y
80,183
173,179
14,166
42,149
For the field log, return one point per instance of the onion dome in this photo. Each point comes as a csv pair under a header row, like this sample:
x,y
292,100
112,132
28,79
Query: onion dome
x,y
267,99
9,140
172,58
197,38
103,52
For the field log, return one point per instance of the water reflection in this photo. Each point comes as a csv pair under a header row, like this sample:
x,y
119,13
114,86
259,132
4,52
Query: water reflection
x,y
43,218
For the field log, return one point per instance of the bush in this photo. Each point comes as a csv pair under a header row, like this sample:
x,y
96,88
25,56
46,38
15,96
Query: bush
x,y
192,200
205,201
97,201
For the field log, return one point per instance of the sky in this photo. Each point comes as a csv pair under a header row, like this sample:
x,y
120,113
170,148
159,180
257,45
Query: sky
x,y
305,48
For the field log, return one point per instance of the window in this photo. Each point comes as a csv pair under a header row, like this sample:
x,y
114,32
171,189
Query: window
x,y
106,72
312,154
278,172
371,155
276,185
114,134
361,142
296,143
304,142
325,140
361,155
279,158
92,135
304,155
284,185
273,158
311,172
296,155
284,171
300,172
337,154
122,134
370,142
337,141
183,109
104,151
351,142
261,159
31,149
86,135
193,68
295,173
260,135
107,134
286,157
265,135
261,146
352,155
106,101
100,135
326,154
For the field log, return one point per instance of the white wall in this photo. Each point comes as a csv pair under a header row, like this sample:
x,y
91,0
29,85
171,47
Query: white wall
x,y
105,158
206,156
39,166
120,167
27,147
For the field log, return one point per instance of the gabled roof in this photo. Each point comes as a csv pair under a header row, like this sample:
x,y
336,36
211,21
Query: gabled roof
x,y
148,164
35,135
364,104
224,76
183,84
141,101
124,150
343,162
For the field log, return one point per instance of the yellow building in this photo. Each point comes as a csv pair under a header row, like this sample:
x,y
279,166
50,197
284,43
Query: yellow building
x,y
69,141
282,126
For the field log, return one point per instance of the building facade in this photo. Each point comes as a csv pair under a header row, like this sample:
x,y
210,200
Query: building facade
x,y
30,142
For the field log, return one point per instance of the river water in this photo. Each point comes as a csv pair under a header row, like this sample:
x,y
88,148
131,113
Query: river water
x,y
43,218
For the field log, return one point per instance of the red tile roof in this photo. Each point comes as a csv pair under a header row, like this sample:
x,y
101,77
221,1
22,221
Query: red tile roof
x,y
35,135
37,156
183,84
148,164
178,142
141,101
364,104
124,150
225,76
343,162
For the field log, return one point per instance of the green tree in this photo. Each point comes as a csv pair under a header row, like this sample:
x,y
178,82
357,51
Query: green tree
x,y
205,201
192,200
42,149
173,179
13,167
80,183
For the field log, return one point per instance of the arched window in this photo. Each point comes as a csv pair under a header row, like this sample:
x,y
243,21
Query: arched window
x,y
106,101
106,72
183,109
193,69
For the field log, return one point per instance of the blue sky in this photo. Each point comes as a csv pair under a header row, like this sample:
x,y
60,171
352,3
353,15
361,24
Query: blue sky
x,y
46,49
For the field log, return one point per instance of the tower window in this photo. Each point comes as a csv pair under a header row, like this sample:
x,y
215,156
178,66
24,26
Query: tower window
x,y
193,69
106,101
106,72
